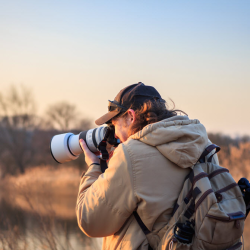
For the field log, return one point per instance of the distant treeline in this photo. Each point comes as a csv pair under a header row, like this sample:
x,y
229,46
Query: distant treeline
x,y
234,154
25,137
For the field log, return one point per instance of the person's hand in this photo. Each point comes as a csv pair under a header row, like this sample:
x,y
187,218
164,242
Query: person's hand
x,y
90,157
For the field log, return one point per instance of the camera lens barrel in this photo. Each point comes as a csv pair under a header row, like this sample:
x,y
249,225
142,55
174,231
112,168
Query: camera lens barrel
x,y
73,145
60,149
93,137
66,147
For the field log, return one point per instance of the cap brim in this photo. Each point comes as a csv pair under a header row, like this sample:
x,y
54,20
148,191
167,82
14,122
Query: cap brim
x,y
103,119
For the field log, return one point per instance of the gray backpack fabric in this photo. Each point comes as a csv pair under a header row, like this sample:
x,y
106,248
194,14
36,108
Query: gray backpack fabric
x,y
212,203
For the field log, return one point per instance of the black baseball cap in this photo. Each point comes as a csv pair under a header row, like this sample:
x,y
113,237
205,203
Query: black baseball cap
x,y
124,99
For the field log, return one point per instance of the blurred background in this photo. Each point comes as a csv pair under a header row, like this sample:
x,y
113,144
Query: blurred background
x,y
61,61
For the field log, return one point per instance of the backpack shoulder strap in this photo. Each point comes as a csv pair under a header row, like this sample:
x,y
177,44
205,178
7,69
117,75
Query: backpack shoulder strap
x,y
142,226
207,151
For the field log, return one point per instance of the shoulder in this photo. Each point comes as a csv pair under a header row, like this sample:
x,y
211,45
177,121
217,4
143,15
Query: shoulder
x,y
134,153
136,149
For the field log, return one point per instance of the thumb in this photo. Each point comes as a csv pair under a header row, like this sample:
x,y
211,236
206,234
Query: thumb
x,y
84,147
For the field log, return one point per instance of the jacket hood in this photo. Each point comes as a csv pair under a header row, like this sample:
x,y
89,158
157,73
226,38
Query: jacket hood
x,y
178,138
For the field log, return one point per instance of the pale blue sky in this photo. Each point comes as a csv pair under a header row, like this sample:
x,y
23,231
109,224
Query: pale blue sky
x,y
195,52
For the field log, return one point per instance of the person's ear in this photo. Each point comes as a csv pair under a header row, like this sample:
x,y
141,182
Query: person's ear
x,y
131,116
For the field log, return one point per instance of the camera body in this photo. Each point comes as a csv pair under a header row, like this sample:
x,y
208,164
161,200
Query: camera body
x,y
66,147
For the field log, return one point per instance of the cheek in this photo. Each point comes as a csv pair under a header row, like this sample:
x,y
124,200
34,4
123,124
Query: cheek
x,y
116,132
119,131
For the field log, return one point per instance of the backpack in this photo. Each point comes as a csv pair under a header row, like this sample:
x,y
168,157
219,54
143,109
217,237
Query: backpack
x,y
209,212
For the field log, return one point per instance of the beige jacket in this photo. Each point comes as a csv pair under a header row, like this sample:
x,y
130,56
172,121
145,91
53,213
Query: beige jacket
x,y
146,173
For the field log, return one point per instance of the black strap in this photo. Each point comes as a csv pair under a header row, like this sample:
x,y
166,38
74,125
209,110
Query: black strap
x,y
217,149
104,155
104,165
176,206
207,151
191,176
149,247
196,192
141,224
188,176
94,164
190,211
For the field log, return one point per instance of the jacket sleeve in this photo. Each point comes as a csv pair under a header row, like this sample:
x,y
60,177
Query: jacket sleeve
x,y
105,201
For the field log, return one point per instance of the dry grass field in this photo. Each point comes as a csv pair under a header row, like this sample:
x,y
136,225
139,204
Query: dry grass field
x,y
47,190
50,192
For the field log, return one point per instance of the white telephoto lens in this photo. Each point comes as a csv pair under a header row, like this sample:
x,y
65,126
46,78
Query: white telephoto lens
x,y
74,145
99,135
90,140
93,137
59,147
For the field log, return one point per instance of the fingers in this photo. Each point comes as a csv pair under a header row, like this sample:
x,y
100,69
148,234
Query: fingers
x,y
83,146
89,156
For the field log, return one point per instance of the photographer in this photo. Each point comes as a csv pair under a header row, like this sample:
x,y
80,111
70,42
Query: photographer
x,y
146,172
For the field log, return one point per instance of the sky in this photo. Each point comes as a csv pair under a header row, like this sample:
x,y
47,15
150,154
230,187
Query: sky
x,y
196,53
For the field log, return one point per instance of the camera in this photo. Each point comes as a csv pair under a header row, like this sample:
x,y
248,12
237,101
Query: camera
x,y
66,147
184,232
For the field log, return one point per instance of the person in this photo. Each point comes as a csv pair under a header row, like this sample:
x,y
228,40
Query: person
x,y
146,172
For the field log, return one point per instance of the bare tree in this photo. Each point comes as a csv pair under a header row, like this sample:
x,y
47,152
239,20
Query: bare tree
x,y
17,124
62,115
65,117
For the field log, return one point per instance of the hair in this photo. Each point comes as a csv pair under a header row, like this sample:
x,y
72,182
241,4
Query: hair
x,y
149,111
